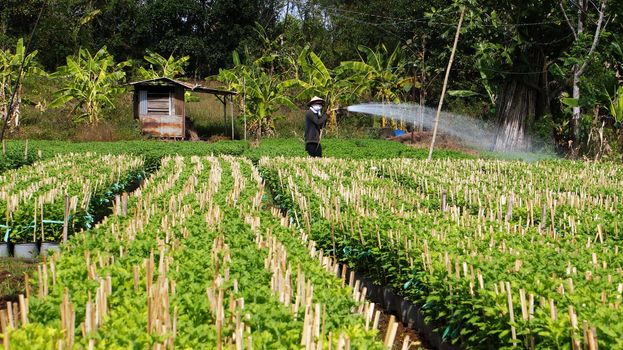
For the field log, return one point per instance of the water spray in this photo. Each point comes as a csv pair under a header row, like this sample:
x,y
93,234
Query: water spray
x,y
475,133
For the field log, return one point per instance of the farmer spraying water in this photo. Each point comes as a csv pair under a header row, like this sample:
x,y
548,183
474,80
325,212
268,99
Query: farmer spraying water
x,y
314,122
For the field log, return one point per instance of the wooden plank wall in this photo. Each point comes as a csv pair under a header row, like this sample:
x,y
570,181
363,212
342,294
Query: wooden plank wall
x,y
165,113
158,103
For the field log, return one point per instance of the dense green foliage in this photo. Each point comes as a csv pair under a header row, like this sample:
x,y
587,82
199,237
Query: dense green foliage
x,y
453,236
15,155
33,197
535,66
154,151
186,268
15,65
89,82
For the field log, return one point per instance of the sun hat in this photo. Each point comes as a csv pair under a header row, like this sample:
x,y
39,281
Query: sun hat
x,y
315,99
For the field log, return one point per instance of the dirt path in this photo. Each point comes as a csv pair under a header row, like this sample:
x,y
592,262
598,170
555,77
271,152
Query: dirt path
x,y
415,342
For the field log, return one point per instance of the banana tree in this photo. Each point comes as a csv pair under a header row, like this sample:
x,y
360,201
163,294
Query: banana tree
x,y
160,67
90,82
379,73
264,93
317,80
10,63
616,111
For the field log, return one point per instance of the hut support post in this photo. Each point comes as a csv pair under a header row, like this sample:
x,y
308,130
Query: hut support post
x,y
224,100
231,114
244,106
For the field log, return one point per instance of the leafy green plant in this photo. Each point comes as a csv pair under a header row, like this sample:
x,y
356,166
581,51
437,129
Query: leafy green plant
x,y
89,82
616,106
200,256
34,204
469,264
264,93
10,65
315,79
161,67
380,73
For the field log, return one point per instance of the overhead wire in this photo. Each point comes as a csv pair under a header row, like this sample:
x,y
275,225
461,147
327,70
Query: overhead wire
x,y
395,35
430,21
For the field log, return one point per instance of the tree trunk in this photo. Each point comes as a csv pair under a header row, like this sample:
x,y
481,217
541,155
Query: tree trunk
x,y
516,111
575,118
578,69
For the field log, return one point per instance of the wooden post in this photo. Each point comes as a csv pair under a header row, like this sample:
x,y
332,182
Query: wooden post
x,y
406,342
511,312
23,309
244,106
445,83
124,204
224,114
231,104
66,219
377,316
390,335
509,212
117,207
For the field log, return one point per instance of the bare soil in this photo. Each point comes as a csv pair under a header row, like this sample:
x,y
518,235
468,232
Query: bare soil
x,y
422,139
415,342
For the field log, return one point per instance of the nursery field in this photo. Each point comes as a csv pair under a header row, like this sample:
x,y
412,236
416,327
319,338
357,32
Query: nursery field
x,y
176,248
196,260
497,254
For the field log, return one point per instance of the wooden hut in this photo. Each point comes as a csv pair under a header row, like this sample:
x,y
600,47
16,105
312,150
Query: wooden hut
x,y
159,105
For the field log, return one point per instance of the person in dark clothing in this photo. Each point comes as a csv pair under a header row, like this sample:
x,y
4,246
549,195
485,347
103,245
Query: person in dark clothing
x,y
314,122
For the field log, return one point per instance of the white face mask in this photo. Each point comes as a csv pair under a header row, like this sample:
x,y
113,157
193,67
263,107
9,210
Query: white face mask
x,y
316,108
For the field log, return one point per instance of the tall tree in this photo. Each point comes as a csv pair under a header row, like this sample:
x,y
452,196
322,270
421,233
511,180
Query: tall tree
x,y
583,10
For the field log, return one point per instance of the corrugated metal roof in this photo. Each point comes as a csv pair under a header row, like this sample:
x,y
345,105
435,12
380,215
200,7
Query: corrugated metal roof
x,y
185,85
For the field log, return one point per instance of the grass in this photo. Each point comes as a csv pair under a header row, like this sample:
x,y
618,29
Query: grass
x,y
12,278
290,147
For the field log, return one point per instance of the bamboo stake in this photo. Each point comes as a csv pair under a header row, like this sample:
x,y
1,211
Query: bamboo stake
x,y
4,320
511,312
406,342
11,318
5,339
377,317
445,83
390,335
66,219
23,309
